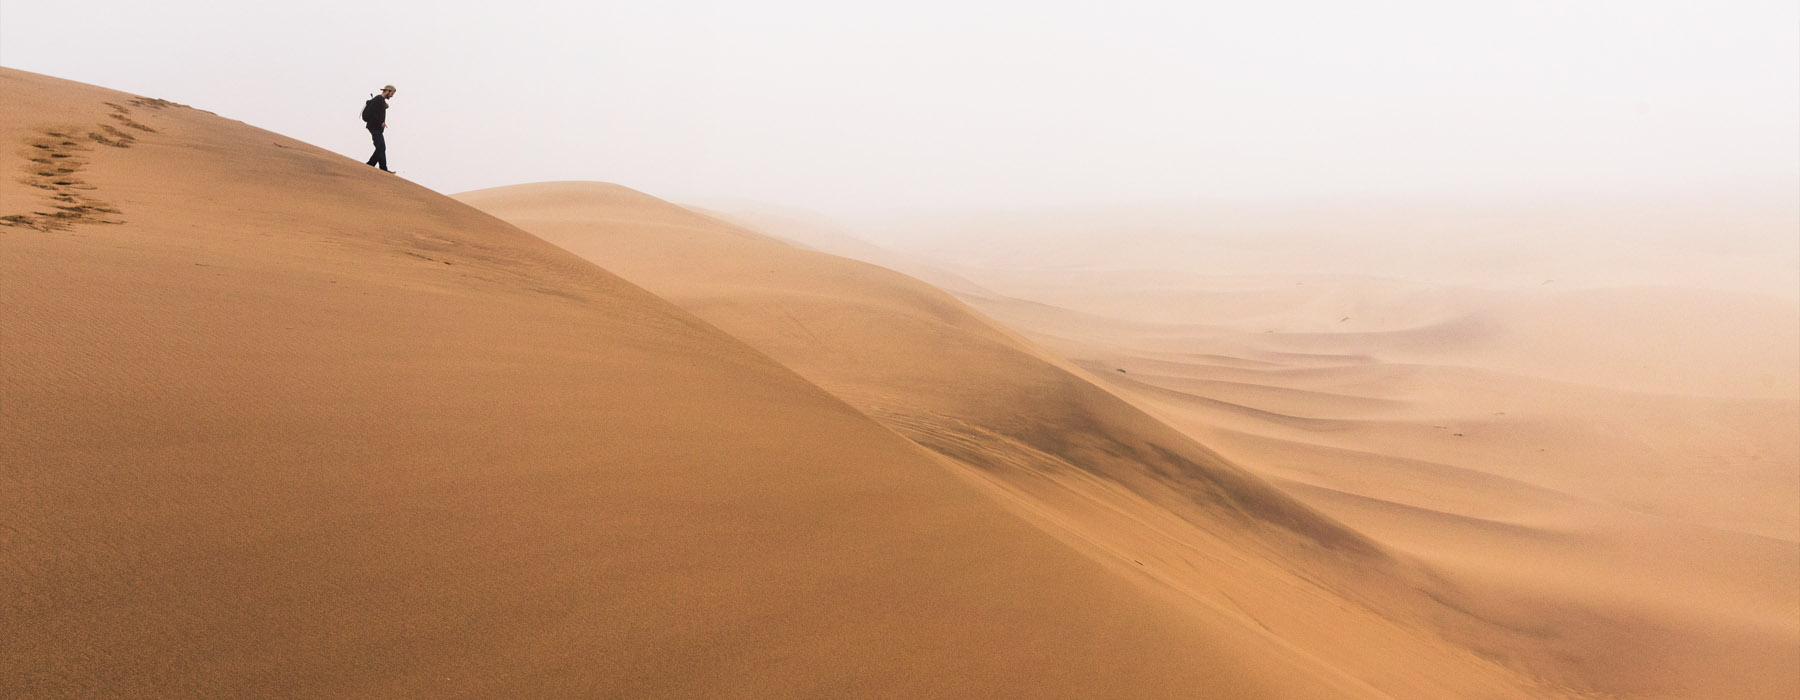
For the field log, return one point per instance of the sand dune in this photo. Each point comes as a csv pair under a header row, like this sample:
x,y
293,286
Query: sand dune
x,y
1613,465
274,424
812,232
278,425
1702,382
1406,617
1658,339
1740,241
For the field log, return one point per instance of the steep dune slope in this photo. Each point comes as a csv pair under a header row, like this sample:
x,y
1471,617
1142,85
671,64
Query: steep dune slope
x,y
277,425
1077,459
786,302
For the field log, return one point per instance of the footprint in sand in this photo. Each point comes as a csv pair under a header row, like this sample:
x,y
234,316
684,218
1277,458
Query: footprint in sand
x,y
55,158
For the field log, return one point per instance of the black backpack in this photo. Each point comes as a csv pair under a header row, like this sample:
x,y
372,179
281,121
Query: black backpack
x,y
368,113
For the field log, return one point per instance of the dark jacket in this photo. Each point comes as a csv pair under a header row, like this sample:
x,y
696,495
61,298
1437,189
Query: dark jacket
x,y
375,112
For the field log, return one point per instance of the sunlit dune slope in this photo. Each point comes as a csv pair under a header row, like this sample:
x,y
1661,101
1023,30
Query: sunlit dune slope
x,y
1077,459
274,424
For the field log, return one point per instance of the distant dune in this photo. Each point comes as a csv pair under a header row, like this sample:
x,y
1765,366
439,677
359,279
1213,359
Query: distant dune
x,y
1739,242
1669,518
1119,485
1608,455
276,424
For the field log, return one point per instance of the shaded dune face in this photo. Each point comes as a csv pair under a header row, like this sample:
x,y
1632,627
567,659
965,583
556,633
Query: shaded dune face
x,y
275,424
1611,468
1072,457
899,349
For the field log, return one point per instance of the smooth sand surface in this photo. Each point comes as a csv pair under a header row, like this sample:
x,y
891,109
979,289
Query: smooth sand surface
x,y
1111,478
273,424
278,425
1608,458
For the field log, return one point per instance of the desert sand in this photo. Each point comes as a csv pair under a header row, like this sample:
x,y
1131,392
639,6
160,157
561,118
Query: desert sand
x,y
1080,461
1596,435
276,424
279,425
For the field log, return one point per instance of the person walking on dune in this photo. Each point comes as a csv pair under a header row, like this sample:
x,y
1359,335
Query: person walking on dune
x,y
374,116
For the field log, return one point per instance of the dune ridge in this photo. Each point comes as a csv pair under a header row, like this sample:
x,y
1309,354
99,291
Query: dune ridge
x,y
1003,408
279,425
275,424
1614,459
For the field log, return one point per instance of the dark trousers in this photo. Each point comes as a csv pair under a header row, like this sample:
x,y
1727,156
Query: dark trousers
x,y
378,160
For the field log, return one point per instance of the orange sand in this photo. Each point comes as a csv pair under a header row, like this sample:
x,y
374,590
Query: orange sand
x,y
1608,460
1388,616
274,424
278,425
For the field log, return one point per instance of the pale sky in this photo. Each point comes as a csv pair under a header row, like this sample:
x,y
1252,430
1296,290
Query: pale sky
x,y
846,107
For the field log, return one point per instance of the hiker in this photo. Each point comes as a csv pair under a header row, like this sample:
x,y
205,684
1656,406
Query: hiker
x,y
374,116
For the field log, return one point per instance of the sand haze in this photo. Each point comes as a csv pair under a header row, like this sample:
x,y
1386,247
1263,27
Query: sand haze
x,y
276,424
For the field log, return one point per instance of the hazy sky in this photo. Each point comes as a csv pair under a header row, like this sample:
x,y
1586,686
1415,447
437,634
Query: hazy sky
x,y
846,107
